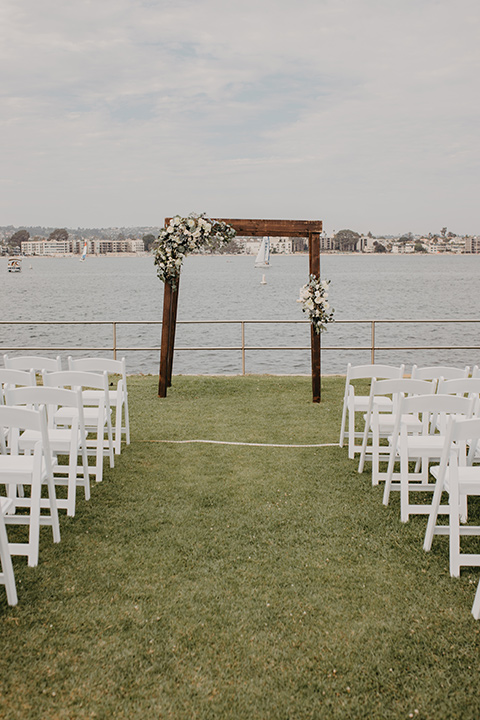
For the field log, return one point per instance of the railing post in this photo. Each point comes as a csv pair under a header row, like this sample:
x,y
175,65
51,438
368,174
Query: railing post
x,y
373,343
243,347
114,340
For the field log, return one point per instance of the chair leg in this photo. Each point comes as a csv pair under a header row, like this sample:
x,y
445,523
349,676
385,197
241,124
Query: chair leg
x,y
432,517
454,522
7,575
363,451
34,524
476,604
344,422
351,433
118,428
404,495
127,418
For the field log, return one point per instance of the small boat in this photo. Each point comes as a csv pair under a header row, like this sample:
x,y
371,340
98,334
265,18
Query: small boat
x,y
15,264
263,281
84,253
263,256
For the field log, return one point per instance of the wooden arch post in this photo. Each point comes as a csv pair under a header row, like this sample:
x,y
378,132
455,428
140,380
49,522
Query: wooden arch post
x,y
310,229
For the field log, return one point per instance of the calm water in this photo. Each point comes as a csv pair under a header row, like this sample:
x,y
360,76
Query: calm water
x,y
228,288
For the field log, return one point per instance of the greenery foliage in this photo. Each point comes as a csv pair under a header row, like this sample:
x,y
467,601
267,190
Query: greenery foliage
x,y
184,235
347,239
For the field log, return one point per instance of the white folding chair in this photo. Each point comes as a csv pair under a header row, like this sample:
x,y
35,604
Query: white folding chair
x,y
460,479
28,470
69,440
433,410
96,411
353,404
7,576
379,425
118,398
435,372
37,363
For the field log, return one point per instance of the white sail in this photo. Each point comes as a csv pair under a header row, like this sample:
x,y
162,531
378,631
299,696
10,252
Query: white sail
x,y
263,255
84,253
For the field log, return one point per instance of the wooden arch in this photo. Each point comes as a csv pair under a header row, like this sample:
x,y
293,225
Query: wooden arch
x,y
309,229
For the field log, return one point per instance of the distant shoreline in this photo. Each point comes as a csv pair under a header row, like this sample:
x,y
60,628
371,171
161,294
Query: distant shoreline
x,y
324,253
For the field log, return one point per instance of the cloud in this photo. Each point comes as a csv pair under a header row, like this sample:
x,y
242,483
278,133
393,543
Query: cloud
x,y
124,111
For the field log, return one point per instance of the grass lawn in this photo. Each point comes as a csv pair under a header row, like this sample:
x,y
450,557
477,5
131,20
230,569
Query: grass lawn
x,y
240,582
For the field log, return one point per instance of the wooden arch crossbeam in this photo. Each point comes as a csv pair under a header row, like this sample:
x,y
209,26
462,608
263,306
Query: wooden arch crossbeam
x,y
309,229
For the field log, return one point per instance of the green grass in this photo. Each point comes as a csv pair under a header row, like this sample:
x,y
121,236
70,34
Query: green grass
x,y
223,581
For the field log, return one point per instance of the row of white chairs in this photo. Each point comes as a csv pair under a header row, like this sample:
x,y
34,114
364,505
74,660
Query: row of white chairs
x,y
433,416
68,414
118,397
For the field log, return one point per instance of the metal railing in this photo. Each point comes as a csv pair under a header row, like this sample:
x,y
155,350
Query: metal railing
x,y
115,348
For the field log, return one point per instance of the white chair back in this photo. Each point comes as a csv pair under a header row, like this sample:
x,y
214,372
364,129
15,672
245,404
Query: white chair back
x,y
435,372
37,363
14,378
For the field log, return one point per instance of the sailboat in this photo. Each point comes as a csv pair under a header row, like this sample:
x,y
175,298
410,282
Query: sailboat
x,y
84,253
263,256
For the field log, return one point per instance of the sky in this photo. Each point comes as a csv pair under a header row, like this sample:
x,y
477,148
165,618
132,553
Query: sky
x,y
360,113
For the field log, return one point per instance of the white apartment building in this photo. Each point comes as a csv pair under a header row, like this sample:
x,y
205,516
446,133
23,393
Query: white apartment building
x,y
281,245
472,245
48,247
72,247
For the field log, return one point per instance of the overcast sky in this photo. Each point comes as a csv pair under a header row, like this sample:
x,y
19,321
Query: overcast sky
x,y
360,113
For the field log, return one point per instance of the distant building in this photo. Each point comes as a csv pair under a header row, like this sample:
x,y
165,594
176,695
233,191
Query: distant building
x,y
48,247
472,245
328,243
281,245
73,246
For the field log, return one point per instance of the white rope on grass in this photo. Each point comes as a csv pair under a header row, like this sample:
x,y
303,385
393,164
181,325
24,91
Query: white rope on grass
x,y
247,444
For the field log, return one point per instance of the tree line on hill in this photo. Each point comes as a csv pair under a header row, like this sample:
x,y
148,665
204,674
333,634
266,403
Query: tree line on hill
x,y
345,240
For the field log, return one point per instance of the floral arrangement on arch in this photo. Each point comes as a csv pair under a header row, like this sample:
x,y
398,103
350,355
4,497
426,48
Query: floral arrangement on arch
x,y
182,236
314,298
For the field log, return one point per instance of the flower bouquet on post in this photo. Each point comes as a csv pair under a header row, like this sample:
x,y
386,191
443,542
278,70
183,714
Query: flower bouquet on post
x,y
314,299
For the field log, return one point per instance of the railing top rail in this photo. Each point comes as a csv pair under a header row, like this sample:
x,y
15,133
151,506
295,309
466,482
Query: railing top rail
x,y
237,321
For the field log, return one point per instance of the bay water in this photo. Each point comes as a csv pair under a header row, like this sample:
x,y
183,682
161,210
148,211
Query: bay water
x,y
213,288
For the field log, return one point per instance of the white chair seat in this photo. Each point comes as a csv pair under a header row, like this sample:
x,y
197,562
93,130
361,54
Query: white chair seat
x,y
468,477
361,402
19,465
425,445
